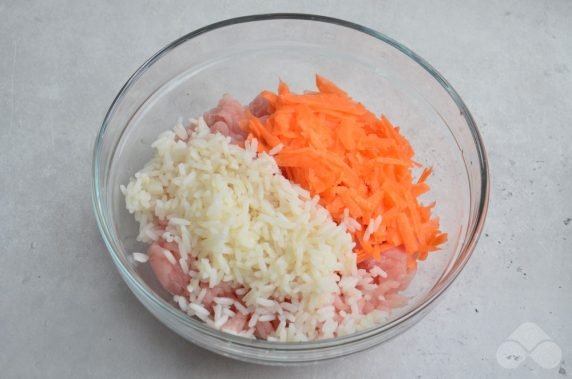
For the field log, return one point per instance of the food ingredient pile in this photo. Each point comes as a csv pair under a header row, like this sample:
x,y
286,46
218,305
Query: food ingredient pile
x,y
291,219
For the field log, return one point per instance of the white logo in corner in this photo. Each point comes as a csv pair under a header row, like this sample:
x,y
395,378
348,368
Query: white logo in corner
x,y
528,340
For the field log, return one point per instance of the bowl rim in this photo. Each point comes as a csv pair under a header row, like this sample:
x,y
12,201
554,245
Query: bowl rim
x,y
466,251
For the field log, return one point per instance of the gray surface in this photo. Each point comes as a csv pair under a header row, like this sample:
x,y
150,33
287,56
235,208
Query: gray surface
x,y
64,311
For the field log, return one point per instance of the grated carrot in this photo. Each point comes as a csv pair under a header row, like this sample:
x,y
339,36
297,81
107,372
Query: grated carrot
x,y
335,148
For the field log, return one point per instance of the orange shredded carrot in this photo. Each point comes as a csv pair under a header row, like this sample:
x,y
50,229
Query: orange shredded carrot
x,y
335,148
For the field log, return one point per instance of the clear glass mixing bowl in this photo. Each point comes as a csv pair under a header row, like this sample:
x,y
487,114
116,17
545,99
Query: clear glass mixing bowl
x,y
246,55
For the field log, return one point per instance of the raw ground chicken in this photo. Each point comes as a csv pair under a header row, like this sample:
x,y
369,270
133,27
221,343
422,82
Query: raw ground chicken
x,y
248,251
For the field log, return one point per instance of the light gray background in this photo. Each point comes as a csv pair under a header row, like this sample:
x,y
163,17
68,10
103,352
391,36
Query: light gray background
x,y
64,311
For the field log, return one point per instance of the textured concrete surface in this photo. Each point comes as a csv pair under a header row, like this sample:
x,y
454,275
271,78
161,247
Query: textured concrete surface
x,y
64,311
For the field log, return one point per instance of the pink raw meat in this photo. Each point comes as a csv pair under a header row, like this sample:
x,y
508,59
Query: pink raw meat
x,y
260,107
385,295
237,323
223,289
225,118
394,263
264,329
171,276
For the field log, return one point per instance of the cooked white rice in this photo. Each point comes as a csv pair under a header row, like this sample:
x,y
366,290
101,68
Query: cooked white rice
x,y
236,219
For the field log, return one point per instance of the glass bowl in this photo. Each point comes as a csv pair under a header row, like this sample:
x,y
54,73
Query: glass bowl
x,y
246,55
